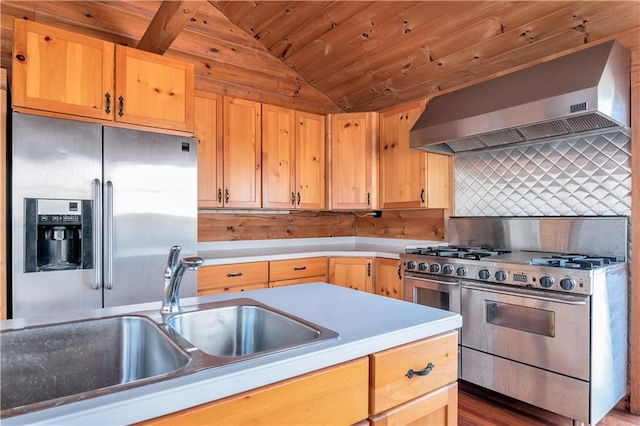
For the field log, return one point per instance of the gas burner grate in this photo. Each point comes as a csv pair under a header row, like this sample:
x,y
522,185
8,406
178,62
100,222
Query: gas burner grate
x,y
574,261
461,252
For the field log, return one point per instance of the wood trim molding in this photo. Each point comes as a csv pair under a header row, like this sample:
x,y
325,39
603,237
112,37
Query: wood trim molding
x,y
634,314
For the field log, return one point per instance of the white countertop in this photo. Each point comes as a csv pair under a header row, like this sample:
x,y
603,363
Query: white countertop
x,y
225,252
366,323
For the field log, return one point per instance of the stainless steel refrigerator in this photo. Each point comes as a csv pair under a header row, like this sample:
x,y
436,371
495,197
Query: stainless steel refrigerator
x,y
95,210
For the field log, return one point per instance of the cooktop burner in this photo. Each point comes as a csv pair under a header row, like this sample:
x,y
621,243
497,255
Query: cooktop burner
x,y
460,252
574,261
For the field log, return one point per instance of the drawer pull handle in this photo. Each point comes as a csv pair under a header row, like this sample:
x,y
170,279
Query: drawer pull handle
x,y
424,372
300,268
239,274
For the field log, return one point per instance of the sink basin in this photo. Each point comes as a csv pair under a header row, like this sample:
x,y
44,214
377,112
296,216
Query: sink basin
x,y
56,361
245,329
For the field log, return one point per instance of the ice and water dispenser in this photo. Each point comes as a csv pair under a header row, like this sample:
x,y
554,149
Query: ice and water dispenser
x,y
58,234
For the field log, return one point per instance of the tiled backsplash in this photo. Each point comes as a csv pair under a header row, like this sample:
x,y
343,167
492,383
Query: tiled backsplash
x,y
578,176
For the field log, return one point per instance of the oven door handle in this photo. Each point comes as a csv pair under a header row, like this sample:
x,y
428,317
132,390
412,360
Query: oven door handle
x,y
560,298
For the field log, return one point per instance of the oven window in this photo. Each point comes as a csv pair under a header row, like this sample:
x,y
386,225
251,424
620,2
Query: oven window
x,y
522,318
433,298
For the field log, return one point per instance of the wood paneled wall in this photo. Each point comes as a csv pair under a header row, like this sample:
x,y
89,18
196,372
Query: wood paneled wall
x,y
407,224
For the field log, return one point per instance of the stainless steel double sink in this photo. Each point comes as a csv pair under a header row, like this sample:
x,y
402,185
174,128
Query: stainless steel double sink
x,y
59,363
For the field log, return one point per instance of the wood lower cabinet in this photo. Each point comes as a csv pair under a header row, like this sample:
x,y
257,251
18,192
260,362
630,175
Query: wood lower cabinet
x,y
352,272
375,390
354,161
415,384
63,72
388,278
297,271
333,396
410,178
231,278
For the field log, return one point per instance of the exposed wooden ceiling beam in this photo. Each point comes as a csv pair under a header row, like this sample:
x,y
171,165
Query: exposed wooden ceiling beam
x,y
166,25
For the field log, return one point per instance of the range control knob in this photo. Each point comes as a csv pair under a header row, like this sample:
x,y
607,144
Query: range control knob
x,y
411,264
567,283
434,268
461,271
483,274
422,266
546,281
447,269
501,275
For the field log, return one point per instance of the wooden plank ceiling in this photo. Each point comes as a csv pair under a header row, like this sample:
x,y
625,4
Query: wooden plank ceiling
x,y
334,56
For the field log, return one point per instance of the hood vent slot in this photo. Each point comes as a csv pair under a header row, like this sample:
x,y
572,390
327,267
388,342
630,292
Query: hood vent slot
x,y
584,91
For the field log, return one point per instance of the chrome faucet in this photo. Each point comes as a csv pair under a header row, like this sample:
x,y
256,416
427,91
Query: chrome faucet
x,y
173,276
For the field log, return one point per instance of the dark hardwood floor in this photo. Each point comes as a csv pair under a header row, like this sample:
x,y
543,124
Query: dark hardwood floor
x,y
479,407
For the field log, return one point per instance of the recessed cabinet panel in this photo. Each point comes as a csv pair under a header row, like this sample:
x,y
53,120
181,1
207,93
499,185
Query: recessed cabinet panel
x,y
310,161
278,157
208,131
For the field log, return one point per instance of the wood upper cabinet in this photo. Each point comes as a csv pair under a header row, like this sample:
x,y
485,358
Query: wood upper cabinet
x,y
388,278
208,130
64,72
352,272
409,177
242,144
354,161
310,182
153,90
57,70
292,159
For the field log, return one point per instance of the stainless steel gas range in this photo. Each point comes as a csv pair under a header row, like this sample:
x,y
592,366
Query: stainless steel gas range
x,y
544,307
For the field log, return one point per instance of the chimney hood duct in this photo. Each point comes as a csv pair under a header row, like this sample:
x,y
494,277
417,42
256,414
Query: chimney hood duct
x,y
577,93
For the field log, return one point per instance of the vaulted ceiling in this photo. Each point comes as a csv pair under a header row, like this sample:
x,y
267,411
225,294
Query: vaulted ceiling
x,y
333,56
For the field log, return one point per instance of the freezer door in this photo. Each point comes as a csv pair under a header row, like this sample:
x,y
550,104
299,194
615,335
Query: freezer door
x,y
52,159
150,204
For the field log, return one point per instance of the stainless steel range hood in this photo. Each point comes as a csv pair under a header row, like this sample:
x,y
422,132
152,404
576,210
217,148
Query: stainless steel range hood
x,y
577,93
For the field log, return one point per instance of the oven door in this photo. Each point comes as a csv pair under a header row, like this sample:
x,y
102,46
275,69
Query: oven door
x,y
544,330
440,292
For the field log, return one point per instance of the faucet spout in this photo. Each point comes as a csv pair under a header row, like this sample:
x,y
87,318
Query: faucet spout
x,y
170,297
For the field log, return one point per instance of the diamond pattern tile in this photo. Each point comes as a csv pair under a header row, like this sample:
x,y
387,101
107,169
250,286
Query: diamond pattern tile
x,y
576,176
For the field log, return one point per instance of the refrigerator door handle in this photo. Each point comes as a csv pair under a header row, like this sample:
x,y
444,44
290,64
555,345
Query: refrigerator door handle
x,y
97,229
108,262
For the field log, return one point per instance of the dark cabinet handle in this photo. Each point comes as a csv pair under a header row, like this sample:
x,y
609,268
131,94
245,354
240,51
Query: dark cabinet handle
x,y
368,198
428,369
400,271
422,196
226,196
298,198
293,198
107,98
230,275
219,195
369,269
300,268
121,106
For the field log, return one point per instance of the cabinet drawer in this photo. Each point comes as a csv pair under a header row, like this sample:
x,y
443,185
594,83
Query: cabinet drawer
x,y
231,289
391,384
297,268
282,283
439,407
219,276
